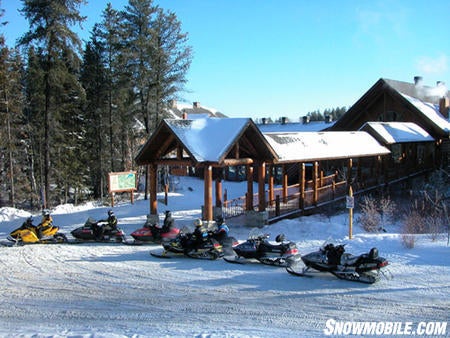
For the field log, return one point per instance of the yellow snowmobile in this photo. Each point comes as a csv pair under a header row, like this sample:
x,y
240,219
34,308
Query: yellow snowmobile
x,y
28,233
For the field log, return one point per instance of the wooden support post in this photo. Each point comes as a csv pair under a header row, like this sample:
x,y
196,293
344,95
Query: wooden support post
x,y
349,171
350,205
315,185
218,192
271,184
249,195
285,183
208,207
166,194
302,183
262,187
153,186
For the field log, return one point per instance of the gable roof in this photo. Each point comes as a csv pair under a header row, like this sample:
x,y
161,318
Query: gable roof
x,y
397,132
316,146
421,102
207,140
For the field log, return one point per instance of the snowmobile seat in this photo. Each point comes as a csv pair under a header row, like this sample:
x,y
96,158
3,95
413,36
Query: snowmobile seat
x,y
349,259
373,253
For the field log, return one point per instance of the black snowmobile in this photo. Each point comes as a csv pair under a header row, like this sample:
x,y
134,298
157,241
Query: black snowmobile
x,y
186,245
91,229
331,258
257,247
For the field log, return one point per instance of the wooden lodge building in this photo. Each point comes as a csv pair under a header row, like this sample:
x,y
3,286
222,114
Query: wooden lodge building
x,y
395,131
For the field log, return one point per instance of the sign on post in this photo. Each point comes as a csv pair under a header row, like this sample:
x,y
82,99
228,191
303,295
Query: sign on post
x,y
122,182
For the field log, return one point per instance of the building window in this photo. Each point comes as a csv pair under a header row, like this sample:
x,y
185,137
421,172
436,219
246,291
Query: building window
x,y
397,154
392,116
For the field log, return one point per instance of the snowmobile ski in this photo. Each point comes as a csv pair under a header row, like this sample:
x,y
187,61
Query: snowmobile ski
x,y
237,260
297,273
165,254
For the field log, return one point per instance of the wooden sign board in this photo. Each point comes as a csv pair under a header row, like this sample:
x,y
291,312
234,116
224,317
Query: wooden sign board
x,y
122,181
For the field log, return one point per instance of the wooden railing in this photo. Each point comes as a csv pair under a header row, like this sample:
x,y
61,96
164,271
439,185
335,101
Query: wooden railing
x,y
329,189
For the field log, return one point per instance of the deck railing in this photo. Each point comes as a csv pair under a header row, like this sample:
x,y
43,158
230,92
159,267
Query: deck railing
x,y
329,189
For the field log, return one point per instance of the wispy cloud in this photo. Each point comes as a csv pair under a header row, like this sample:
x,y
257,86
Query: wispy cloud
x,y
430,65
382,20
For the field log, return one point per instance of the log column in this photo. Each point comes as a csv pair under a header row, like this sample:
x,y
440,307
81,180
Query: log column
x,y
153,187
270,180
262,187
208,204
249,196
302,183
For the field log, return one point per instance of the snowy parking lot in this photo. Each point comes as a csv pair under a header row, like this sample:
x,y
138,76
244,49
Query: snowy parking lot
x,y
117,290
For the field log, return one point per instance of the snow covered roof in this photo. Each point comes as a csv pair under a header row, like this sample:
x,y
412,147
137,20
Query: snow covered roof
x,y
409,101
214,140
294,127
315,146
209,140
176,110
397,132
429,110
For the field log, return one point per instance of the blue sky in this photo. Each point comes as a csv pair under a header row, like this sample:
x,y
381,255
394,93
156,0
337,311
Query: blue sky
x,y
273,58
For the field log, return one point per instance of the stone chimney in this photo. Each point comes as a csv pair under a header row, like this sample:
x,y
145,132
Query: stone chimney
x,y
305,119
264,120
283,120
196,105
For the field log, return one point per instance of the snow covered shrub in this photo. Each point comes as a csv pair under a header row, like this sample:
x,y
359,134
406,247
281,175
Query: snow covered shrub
x,y
370,218
375,213
413,224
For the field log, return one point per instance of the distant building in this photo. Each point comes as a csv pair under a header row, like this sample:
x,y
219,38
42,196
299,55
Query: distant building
x,y
387,100
178,110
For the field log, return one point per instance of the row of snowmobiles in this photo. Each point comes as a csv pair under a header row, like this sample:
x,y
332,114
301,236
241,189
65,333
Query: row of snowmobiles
x,y
330,258
91,231
215,244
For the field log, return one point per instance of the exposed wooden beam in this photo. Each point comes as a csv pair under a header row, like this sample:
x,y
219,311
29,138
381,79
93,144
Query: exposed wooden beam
x,y
228,162
163,147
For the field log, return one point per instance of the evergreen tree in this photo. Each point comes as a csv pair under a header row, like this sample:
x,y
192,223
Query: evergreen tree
x,y
111,42
13,136
93,77
157,56
50,32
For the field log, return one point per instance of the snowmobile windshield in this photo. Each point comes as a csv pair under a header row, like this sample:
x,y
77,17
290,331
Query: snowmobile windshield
x,y
90,220
186,230
256,233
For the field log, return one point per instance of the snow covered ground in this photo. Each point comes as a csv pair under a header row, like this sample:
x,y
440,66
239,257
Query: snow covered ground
x,y
115,290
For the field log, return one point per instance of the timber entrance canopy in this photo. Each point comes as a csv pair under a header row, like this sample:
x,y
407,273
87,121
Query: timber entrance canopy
x,y
221,142
213,141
